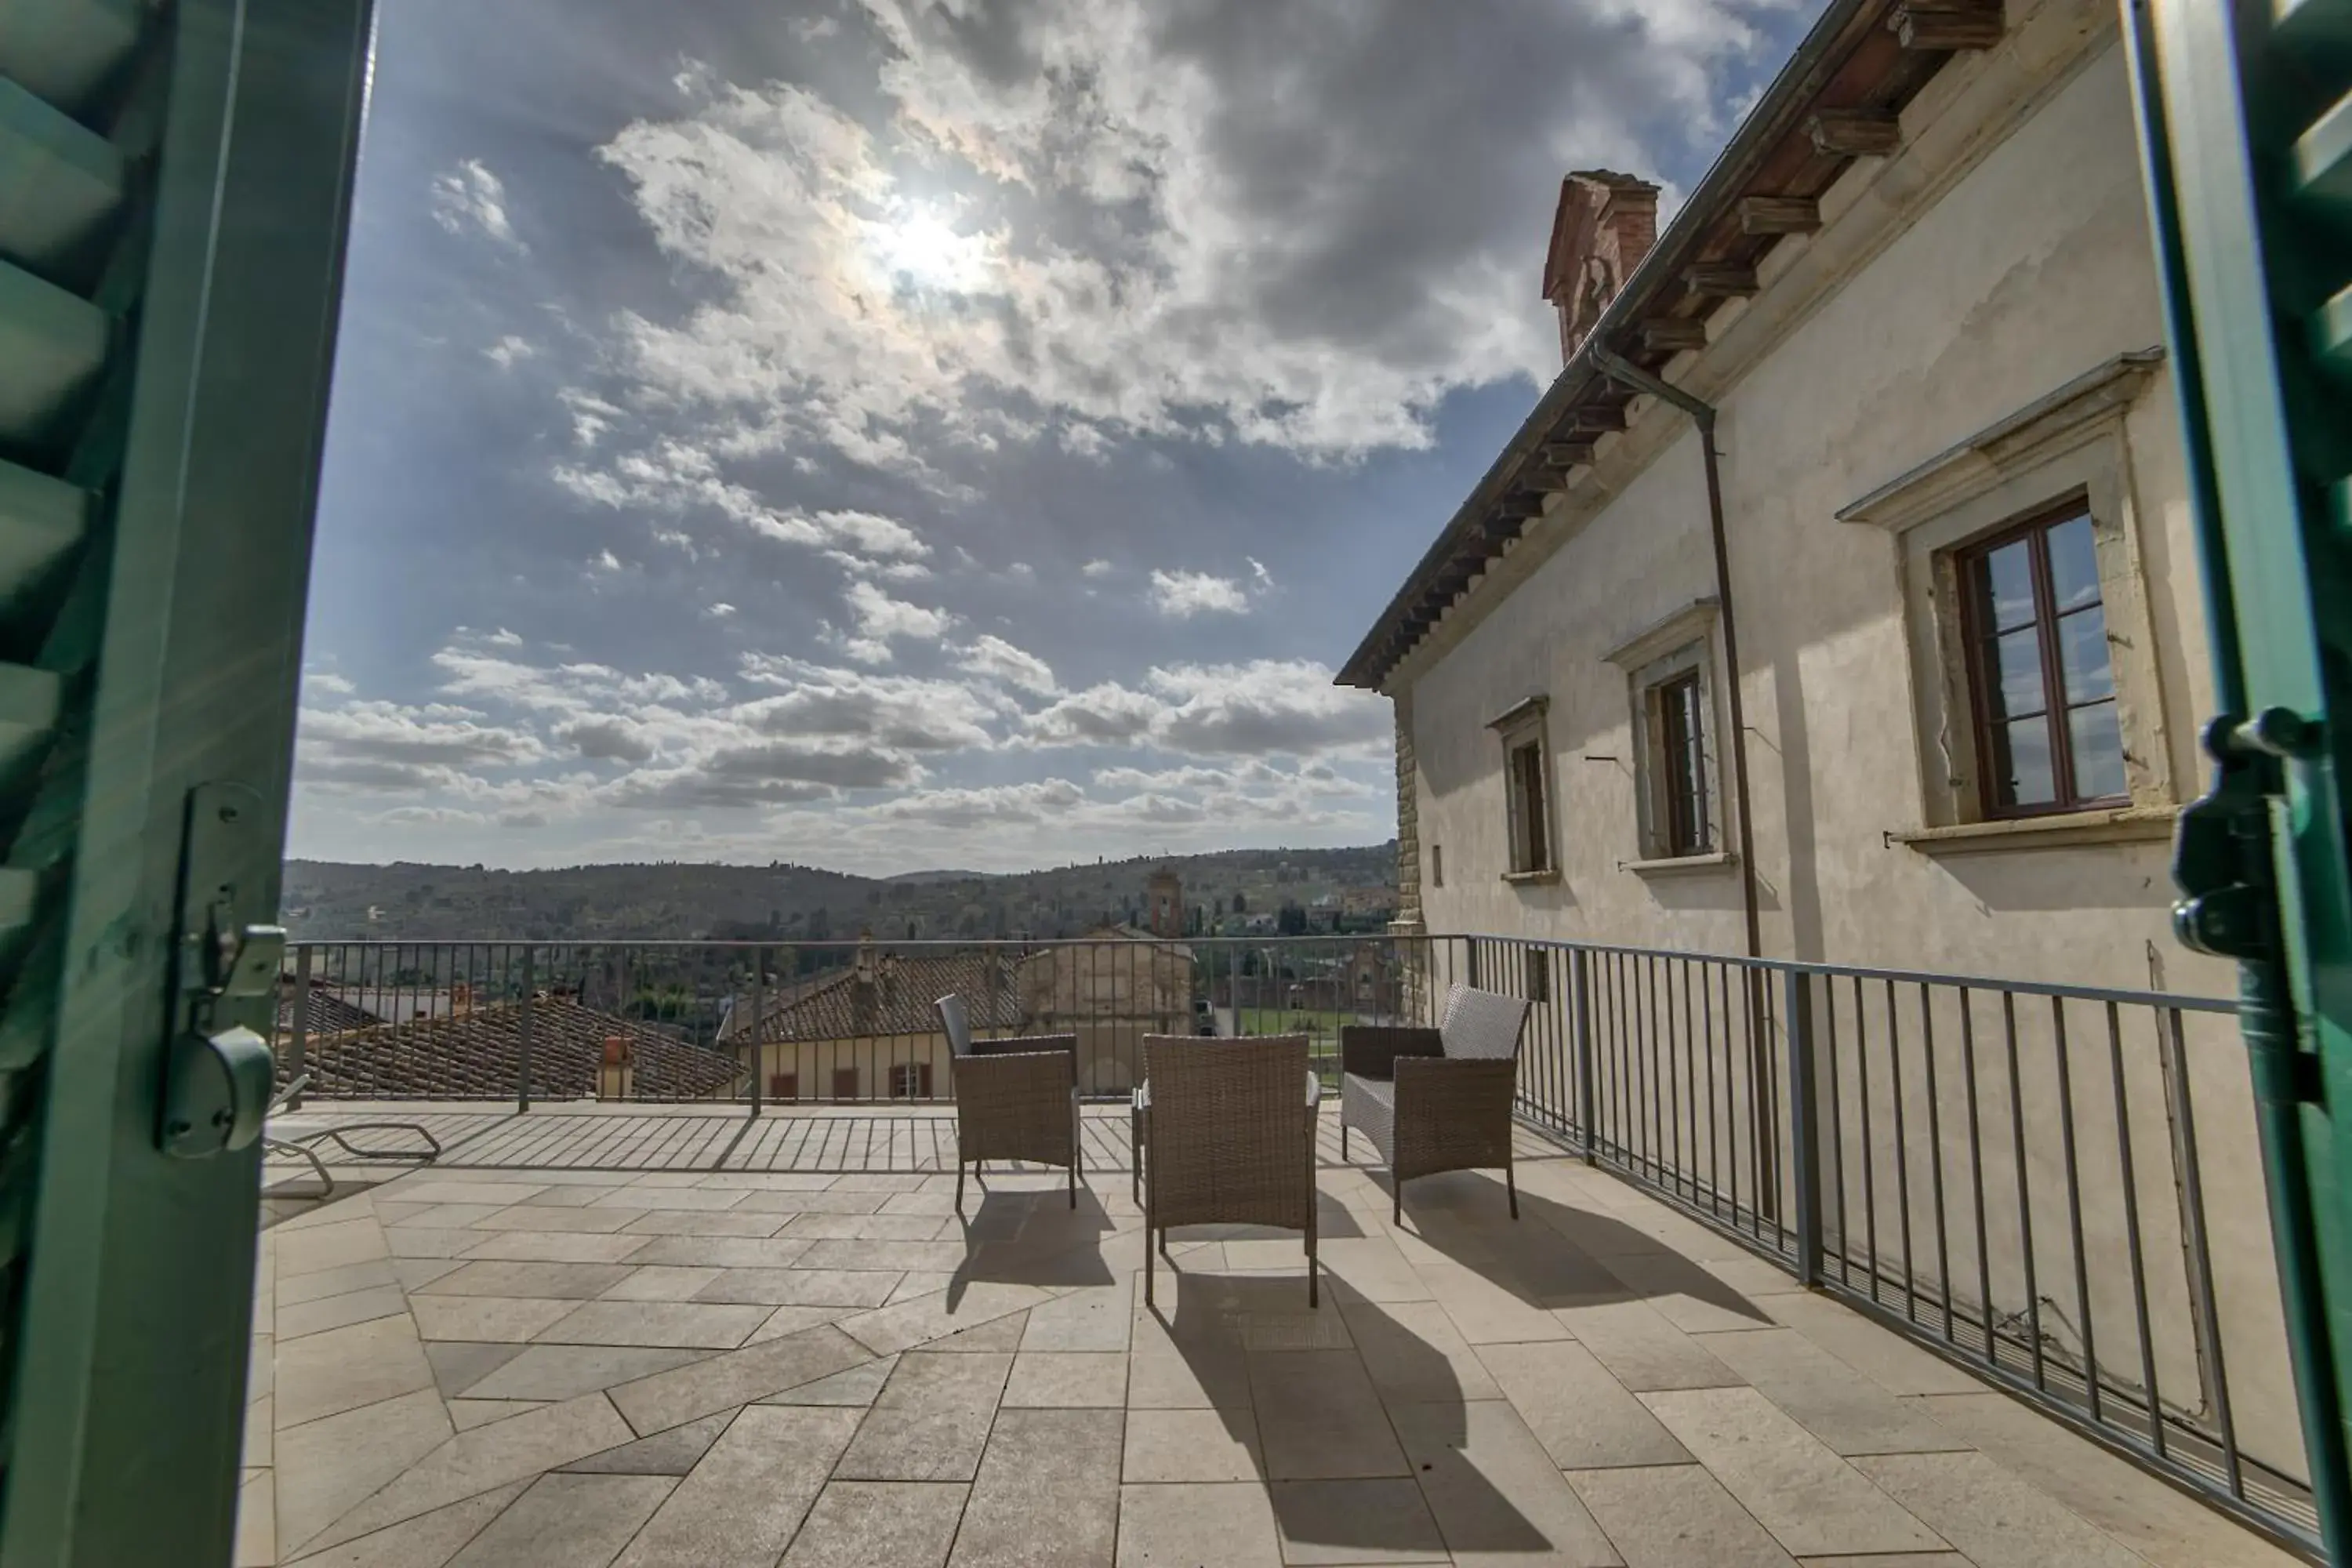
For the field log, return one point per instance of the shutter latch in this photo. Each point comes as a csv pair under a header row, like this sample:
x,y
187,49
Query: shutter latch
x,y
221,1072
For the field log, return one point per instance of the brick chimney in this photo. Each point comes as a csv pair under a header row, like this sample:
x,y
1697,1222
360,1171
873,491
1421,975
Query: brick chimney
x,y
1605,224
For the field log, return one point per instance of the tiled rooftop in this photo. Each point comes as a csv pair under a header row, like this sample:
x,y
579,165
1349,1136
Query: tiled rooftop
x,y
477,1055
748,1349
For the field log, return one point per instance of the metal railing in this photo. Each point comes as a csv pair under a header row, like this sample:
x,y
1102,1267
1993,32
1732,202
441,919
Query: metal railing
x,y
2057,1188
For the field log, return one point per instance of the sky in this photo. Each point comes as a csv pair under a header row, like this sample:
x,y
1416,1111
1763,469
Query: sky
x,y
893,435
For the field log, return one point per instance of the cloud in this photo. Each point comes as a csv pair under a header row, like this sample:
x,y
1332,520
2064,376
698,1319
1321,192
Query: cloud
x,y
719,611
503,638
1095,569
470,197
607,739
877,620
996,659
1107,714
1266,707
1181,595
326,683
508,352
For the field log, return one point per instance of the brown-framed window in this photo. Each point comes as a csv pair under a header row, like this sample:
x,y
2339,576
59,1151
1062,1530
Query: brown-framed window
x,y
1530,810
845,1083
2041,686
784,1086
910,1080
1677,714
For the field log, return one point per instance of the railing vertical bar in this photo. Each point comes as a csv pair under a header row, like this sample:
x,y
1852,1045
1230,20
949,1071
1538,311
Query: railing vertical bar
x,y
2075,1202
1706,1036
2192,1205
2024,1189
297,1048
751,1031
523,1035
1652,1090
1671,1146
1837,1132
1869,1144
1976,1176
2132,1231
1804,1144
1936,1157
1588,1104
1902,1157
1768,1178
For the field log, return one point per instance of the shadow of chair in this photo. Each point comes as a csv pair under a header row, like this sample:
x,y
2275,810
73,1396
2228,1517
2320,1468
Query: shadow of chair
x,y
1027,1236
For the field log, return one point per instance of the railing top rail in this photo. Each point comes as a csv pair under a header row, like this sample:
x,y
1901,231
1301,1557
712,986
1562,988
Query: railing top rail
x,y
2162,1000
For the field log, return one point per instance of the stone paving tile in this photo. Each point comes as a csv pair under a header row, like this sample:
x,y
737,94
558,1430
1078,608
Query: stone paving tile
x,y
328,1282
1164,1375
329,1467
343,1369
779,1205
1690,1297
672,1453
1067,1379
484,1318
337,1246
449,1190
1356,1521
1993,1517
1867,1348
1415,1354
856,1387
701,1221
1230,1525
868,1227
409,1241
571,1198
429,1540
1191,1446
741,1507
256,1544
792,1320
800,1287
721,1251
1584,1417
918,1283
1675,1515
930,1203
656,1282
458,1364
1319,1419
1486,1313
1093,1317
452,1217
903,1324
769,1180
877,1182
677,1199
896,1256
558,1246
416,1273
1643,1351
539,1217
735,1377
2159,1524
1812,1501
1499,1501
260,1433
546,1282
1369,1268
1830,1399
866,1524
682,1324
567,1521
493,1455
467,1414
930,1420
568,1371
1002,1334
306,1317
1890,1560
1047,1494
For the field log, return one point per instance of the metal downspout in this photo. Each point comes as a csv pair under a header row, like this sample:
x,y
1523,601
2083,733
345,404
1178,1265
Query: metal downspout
x,y
1623,371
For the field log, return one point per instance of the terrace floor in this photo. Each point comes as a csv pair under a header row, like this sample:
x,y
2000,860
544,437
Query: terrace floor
x,y
685,1338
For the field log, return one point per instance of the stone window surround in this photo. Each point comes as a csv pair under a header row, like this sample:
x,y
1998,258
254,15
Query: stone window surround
x,y
1522,723
2072,442
1678,645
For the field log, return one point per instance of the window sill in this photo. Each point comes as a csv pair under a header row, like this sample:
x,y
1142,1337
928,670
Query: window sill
x,y
1681,865
2123,824
1527,879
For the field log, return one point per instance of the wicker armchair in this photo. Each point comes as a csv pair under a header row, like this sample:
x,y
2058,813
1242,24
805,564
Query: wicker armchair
x,y
1436,1100
1229,1126
1016,1099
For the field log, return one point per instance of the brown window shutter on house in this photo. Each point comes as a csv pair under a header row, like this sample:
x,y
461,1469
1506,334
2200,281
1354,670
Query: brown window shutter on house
x,y
923,1079
784,1086
845,1083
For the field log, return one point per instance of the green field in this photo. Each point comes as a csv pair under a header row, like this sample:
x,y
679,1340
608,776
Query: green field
x,y
1295,1021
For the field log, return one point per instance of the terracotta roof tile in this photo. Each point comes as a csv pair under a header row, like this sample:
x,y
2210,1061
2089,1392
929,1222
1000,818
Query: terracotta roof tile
x,y
477,1055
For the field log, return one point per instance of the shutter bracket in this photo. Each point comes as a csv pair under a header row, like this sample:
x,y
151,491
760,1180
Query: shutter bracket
x,y
220,1073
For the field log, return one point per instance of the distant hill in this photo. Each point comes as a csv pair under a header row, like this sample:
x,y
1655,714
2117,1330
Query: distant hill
x,y
329,900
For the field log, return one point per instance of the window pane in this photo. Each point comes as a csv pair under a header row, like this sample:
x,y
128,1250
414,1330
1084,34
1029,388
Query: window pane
x,y
2073,563
2098,746
2017,685
2021,770
2082,656
2006,591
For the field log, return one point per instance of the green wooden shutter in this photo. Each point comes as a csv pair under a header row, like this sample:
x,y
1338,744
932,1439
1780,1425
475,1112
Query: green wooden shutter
x,y
2246,123
174,194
